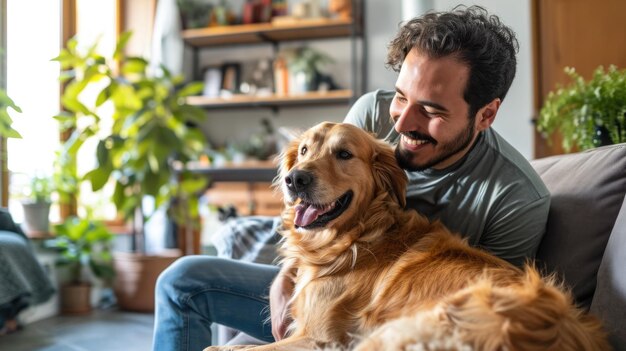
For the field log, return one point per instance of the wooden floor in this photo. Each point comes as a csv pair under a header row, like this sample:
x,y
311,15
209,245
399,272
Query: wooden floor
x,y
101,330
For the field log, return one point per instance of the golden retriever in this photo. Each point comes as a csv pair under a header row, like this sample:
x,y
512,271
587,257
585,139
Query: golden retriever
x,y
371,275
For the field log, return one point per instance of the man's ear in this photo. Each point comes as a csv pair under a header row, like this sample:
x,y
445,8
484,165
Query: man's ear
x,y
486,115
388,176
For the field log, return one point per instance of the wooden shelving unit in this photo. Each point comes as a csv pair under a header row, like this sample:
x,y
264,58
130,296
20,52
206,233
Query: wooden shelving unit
x,y
275,33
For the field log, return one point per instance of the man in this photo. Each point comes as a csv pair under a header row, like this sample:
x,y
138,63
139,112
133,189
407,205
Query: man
x,y
455,69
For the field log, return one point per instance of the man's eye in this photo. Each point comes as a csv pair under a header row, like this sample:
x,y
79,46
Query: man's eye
x,y
344,155
432,112
303,150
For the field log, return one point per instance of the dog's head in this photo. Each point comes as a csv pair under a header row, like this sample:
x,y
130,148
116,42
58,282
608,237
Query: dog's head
x,y
331,175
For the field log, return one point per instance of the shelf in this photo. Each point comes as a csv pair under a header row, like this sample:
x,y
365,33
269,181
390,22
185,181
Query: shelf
x,y
327,97
264,32
249,171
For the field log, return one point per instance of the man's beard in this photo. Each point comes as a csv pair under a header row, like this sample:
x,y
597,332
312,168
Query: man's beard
x,y
460,142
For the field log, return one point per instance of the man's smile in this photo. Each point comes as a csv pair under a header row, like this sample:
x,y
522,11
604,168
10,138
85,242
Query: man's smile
x,y
413,142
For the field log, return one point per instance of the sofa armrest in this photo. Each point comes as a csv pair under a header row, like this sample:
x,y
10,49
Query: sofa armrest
x,y
609,300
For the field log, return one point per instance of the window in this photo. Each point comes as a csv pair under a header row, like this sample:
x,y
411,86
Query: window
x,y
33,38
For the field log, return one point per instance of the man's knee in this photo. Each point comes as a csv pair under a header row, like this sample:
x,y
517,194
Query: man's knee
x,y
181,275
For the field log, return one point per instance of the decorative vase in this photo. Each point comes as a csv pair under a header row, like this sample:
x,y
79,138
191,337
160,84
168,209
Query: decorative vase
x,y
36,222
135,278
601,136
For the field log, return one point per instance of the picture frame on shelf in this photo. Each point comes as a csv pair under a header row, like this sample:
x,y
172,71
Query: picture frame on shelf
x,y
231,77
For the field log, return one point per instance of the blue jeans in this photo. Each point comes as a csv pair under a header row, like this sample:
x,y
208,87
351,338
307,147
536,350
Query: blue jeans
x,y
196,291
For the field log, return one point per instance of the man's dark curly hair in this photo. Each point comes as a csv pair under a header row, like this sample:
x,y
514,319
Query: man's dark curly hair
x,y
471,35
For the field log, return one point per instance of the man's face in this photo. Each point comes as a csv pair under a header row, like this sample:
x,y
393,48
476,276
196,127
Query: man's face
x,y
430,113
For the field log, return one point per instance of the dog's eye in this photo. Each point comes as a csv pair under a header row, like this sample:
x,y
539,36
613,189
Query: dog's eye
x,y
344,155
303,150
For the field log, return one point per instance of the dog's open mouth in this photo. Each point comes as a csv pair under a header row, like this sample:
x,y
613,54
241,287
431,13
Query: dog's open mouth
x,y
310,215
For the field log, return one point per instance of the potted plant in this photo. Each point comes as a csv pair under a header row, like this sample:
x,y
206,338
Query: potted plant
x,y
36,206
194,13
153,127
306,65
589,113
84,247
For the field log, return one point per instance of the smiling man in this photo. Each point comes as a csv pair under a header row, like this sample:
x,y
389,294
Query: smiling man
x,y
455,69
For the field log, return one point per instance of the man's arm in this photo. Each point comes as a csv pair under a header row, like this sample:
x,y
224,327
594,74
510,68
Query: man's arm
x,y
280,295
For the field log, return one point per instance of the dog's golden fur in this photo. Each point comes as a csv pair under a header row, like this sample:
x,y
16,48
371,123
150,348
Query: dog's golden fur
x,y
379,277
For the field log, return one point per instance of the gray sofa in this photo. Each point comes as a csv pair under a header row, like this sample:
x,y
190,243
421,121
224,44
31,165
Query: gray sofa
x,y
585,242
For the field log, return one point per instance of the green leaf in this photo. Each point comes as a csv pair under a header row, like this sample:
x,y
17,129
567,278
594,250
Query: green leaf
x,y
134,65
104,95
11,133
153,162
102,271
152,185
98,177
190,89
77,229
121,44
118,195
193,185
70,98
102,153
124,97
192,113
6,101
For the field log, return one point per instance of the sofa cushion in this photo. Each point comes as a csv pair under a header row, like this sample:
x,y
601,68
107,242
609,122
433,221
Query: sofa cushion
x,y
609,300
587,190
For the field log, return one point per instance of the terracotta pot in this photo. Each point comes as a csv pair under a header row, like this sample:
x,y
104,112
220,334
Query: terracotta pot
x,y
136,276
76,298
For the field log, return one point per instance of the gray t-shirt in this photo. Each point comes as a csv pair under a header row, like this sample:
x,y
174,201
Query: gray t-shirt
x,y
492,196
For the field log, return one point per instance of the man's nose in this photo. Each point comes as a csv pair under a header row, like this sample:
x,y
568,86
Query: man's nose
x,y
406,119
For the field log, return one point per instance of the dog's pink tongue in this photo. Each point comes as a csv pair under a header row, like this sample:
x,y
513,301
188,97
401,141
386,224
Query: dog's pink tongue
x,y
305,214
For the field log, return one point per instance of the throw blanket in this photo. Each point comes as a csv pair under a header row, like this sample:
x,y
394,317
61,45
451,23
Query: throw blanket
x,y
22,280
250,239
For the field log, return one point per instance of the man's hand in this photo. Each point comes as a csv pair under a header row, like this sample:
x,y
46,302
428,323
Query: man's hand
x,y
280,293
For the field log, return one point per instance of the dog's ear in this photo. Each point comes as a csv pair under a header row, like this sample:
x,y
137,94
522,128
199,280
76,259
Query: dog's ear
x,y
388,175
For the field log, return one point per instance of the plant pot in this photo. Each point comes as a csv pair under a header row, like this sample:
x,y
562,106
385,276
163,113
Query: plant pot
x,y
136,276
76,299
36,217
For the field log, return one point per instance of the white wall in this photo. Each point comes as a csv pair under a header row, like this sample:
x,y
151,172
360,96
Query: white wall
x,y
382,19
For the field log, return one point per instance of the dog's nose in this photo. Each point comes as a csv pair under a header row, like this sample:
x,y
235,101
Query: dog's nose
x,y
298,180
